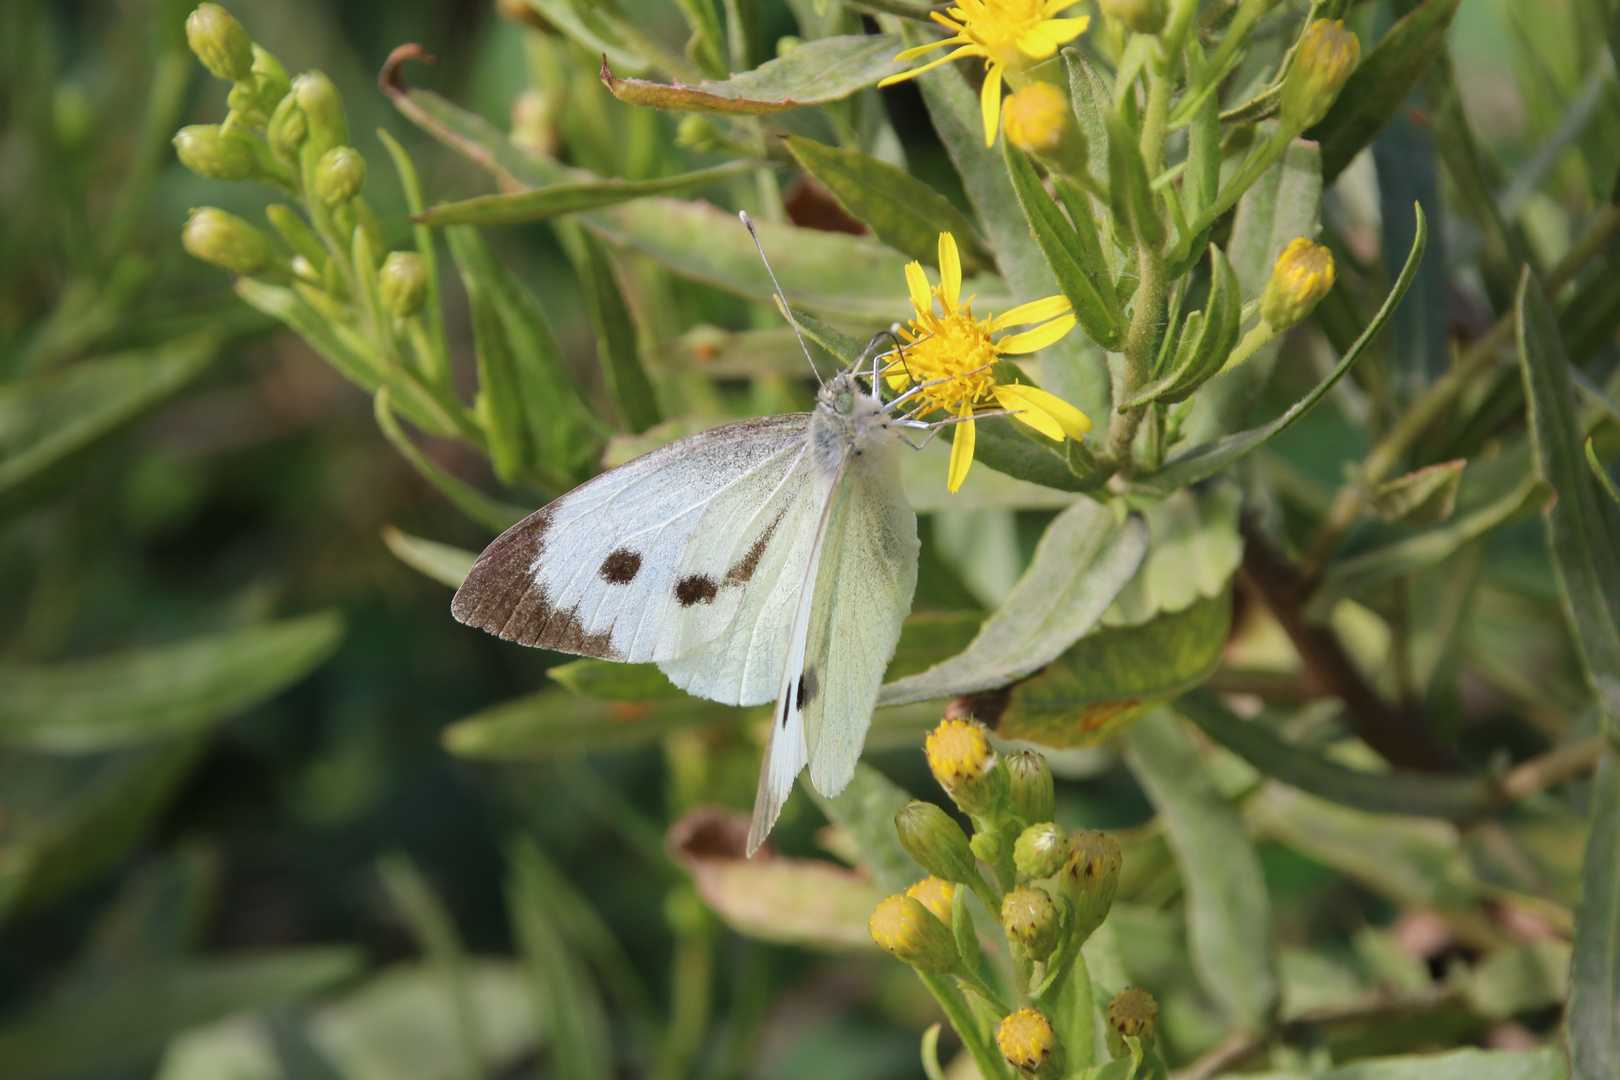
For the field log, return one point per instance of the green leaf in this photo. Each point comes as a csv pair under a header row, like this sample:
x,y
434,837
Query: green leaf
x,y
567,1000
1594,1001
1583,528
1228,911
901,210
1194,548
50,422
1134,201
1203,461
597,29
1545,1063
157,694
134,1016
1012,449
1358,573
443,563
845,350
569,197
1599,474
866,810
1426,496
616,345
813,73
1112,676
1081,273
605,680
739,354
1379,793
1283,204
1381,84
1080,565
491,513
556,723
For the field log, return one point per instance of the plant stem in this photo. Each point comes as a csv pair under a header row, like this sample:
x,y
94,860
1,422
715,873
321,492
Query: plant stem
x,y
991,1064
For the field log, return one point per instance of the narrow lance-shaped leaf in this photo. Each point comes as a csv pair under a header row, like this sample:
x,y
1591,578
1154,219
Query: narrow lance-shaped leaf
x,y
813,73
1594,1000
491,513
901,210
1202,462
616,345
443,563
1583,528
1228,911
1079,566
1381,83
499,404
569,197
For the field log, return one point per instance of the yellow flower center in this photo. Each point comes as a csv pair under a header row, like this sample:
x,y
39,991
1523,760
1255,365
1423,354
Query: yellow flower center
x,y
957,750
1026,1039
952,346
998,25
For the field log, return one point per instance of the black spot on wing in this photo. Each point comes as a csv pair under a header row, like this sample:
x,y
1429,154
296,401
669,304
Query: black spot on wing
x,y
695,589
621,566
743,572
808,689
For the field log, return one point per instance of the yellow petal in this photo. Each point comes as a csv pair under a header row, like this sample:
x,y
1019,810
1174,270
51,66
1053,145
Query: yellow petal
x,y
1043,39
965,50
1033,312
1065,418
961,451
917,285
1025,413
990,103
1039,338
950,271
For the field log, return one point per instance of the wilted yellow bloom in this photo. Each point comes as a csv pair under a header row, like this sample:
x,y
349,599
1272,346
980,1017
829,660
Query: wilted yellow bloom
x,y
1008,34
1323,60
937,895
1302,276
1026,1039
906,928
954,345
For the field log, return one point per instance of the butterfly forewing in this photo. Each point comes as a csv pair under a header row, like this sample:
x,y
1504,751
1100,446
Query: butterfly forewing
x,y
605,570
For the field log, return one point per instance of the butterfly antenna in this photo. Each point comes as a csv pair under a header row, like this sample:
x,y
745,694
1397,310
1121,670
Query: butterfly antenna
x,y
780,295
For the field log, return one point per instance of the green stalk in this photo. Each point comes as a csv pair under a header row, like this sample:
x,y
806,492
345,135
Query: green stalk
x,y
992,1066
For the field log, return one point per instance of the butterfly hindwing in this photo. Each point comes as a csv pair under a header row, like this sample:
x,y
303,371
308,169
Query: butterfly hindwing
x,y
606,571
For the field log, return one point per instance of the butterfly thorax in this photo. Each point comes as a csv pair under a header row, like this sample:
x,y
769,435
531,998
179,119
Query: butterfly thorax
x,y
850,423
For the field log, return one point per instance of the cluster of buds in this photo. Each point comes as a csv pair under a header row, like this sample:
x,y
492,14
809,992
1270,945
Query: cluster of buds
x,y
1048,890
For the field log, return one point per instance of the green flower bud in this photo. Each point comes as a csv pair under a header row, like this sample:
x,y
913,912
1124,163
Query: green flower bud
x,y
986,846
255,98
906,928
1302,276
1090,876
1132,1012
216,153
338,175
220,42
402,283
1029,782
961,759
697,132
936,841
1030,1045
322,107
287,129
1323,60
937,895
1030,918
1141,16
227,241
1040,850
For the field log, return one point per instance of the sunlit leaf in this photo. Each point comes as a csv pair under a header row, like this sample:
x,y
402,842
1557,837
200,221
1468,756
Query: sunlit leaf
x,y
866,810
1594,1001
812,73
1193,550
540,203
556,723
443,563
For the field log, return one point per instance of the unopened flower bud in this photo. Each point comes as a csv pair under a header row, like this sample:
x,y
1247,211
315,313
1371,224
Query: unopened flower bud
x,y
402,283
1090,876
1029,782
906,928
1030,918
216,153
1132,1012
1039,121
220,42
338,175
322,107
937,895
1323,60
227,241
1026,1039
1302,276
287,129
1142,16
697,132
1040,850
253,99
961,759
986,846
936,841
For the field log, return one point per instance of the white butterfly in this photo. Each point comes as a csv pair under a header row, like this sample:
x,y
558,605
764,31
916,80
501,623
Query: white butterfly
x,y
772,559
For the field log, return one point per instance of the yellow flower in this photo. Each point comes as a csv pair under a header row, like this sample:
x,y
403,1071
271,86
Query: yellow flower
x,y
1008,34
1029,1044
1302,276
952,344
937,895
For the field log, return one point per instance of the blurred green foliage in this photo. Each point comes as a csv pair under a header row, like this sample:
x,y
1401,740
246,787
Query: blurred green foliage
x,y
1329,642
